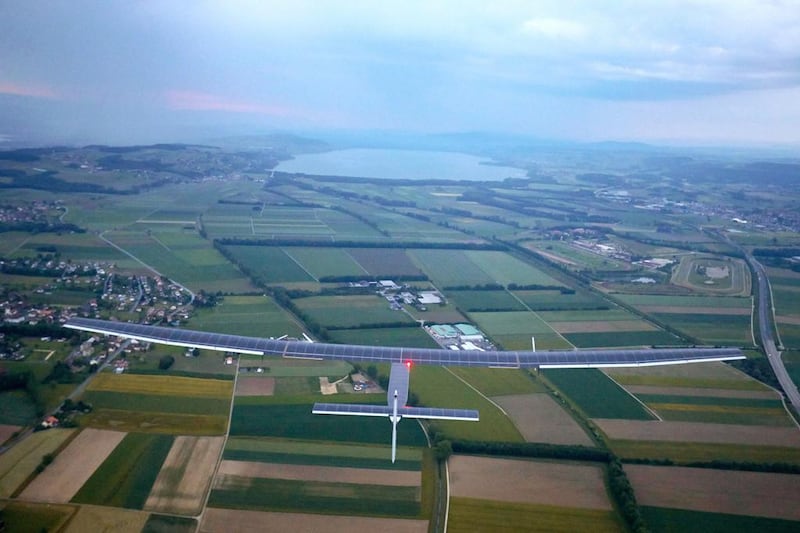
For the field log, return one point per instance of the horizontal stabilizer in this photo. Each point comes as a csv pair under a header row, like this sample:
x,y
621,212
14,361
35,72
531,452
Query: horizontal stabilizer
x,y
437,413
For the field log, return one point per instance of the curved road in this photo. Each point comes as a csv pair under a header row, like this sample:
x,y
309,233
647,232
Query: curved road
x,y
765,319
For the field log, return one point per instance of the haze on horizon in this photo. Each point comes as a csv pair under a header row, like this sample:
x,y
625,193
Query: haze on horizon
x,y
676,71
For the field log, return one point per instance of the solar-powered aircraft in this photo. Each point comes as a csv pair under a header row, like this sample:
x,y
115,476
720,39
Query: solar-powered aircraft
x,y
401,360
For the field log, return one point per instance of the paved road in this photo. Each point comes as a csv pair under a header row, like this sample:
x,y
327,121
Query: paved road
x,y
766,316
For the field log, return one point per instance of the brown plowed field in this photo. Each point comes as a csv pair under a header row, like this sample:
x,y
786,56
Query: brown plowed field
x,y
6,431
73,466
184,478
106,519
699,432
710,393
510,480
540,419
232,521
717,491
366,476
254,386
694,310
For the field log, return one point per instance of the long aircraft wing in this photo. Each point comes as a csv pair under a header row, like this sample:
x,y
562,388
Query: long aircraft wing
x,y
418,356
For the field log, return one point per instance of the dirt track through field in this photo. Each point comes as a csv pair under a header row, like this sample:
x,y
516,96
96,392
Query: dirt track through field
x,y
717,491
184,478
540,419
234,521
709,393
656,430
510,480
73,466
366,476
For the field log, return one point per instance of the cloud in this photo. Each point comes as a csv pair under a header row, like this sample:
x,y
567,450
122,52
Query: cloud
x,y
200,101
555,28
33,91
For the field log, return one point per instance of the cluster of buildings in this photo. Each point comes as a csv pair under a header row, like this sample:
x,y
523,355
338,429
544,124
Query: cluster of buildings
x,y
459,337
38,211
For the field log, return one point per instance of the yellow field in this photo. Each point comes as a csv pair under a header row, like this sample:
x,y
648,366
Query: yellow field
x,y
18,463
146,422
163,385
95,518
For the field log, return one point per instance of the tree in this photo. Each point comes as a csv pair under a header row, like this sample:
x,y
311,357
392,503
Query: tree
x,y
165,362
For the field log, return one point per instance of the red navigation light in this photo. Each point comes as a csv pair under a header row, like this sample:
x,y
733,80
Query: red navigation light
x,y
408,364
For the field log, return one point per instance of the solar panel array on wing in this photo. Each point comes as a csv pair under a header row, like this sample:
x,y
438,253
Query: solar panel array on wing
x,y
357,353
350,409
438,413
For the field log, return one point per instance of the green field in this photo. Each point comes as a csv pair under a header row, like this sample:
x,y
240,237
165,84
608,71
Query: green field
x,y
22,517
185,257
685,301
320,454
556,301
596,395
280,367
127,475
317,497
268,264
437,387
159,523
256,316
485,301
469,515
506,269
499,382
361,311
711,328
157,403
403,337
17,408
511,323
321,262
385,262
718,410
156,422
622,338
661,519
295,421
449,268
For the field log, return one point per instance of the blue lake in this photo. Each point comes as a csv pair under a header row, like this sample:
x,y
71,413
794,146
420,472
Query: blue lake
x,y
408,164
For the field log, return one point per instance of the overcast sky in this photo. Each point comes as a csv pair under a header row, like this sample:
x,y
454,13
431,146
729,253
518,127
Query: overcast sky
x,y
684,71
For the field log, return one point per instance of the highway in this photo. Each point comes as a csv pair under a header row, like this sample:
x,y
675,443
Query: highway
x,y
765,319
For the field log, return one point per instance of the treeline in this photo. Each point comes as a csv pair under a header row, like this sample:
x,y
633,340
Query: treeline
x,y
722,464
776,252
41,329
40,227
46,181
758,368
44,273
356,279
237,241
25,381
283,299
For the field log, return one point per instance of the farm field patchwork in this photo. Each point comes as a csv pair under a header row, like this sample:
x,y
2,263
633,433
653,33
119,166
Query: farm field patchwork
x,y
97,518
758,412
552,300
438,386
470,515
256,316
218,520
485,300
127,475
268,264
521,481
506,269
185,476
73,466
449,268
385,262
362,311
596,395
540,419
24,517
696,375
321,262
19,462
403,337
